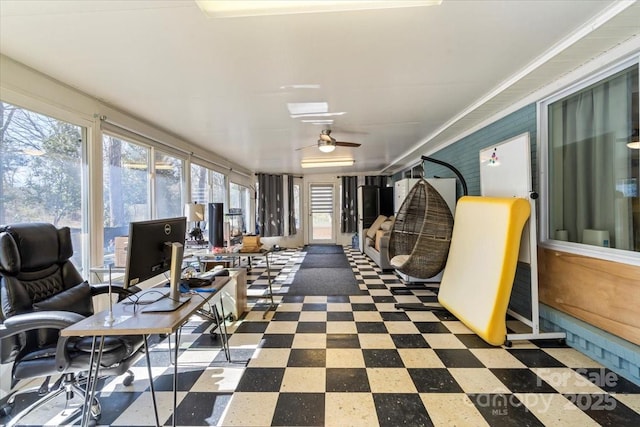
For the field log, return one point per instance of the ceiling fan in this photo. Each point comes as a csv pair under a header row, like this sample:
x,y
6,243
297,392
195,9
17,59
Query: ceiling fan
x,y
327,143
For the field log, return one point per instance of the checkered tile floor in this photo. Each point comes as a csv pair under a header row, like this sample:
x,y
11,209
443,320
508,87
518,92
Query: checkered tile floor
x,y
358,361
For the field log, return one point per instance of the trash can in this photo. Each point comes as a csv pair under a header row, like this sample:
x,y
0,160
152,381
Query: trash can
x,y
354,241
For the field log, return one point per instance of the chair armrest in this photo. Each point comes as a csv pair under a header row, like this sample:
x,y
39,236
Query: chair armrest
x,y
38,320
384,241
363,237
118,289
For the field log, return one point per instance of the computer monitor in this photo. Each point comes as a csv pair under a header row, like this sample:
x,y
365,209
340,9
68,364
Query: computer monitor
x,y
150,246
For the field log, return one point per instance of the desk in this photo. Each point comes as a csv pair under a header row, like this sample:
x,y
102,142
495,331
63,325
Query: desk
x,y
130,320
205,255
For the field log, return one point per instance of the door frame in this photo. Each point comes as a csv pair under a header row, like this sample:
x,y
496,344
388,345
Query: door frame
x,y
334,217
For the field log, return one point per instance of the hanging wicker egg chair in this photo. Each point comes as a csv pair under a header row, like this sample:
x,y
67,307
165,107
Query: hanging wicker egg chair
x,y
421,234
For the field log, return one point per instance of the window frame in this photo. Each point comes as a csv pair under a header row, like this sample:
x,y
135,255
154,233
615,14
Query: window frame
x,y
610,254
87,126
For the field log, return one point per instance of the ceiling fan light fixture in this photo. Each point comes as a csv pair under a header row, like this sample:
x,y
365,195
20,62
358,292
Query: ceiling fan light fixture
x,y
325,148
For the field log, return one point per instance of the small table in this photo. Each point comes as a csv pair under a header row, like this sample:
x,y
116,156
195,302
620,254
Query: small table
x,y
131,320
206,255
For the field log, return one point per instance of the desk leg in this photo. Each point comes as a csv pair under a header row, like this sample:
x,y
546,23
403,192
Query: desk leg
x,y
272,304
91,379
175,376
153,391
222,325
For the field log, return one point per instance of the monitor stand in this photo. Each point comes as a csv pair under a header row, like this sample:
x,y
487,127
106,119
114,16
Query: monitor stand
x,y
166,304
174,300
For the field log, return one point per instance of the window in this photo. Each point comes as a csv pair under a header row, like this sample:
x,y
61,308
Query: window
x,y
207,186
169,200
239,198
218,187
200,185
593,165
126,188
42,169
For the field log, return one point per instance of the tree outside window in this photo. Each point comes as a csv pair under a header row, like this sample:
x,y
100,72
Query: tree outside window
x,y
126,188
41,172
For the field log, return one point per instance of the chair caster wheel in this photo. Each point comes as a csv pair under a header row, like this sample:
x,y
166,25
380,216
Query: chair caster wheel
x,y
5,410
127,381
508,344
562,341
96,412
214,335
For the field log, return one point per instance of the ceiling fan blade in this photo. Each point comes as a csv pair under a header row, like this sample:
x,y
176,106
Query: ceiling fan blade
x,y
347,144
308,146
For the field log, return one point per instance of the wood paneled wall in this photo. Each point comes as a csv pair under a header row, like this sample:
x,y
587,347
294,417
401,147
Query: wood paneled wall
x,y
602,293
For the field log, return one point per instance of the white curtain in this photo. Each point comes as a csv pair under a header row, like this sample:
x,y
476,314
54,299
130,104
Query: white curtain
x,y
588,157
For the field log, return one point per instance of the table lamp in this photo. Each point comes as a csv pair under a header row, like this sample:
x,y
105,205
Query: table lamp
x,y
195,213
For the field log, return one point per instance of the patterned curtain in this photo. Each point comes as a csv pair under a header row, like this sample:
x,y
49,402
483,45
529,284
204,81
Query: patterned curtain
x,y
292,212
349,220
270,205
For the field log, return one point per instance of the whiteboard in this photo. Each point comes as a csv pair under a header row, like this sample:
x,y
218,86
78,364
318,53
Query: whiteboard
x,y
505,168
505,171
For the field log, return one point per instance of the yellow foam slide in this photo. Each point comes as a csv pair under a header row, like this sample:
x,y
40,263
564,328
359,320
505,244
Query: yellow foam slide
x,y
481,266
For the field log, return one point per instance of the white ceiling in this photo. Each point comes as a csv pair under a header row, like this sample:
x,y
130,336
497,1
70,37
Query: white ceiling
x,y
407,79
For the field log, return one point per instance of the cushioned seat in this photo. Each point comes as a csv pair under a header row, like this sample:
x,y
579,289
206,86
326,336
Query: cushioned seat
x,y
375,241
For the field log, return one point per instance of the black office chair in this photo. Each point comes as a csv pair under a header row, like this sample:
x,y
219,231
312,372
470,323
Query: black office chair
x,y
42,293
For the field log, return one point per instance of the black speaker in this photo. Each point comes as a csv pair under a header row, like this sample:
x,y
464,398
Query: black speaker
x,y
386,201
370,204
216,225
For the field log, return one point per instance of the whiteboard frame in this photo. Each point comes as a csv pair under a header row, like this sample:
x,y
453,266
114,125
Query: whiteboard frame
x,y
506,168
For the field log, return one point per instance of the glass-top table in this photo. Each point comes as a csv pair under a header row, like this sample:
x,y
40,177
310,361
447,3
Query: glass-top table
x,y
206,255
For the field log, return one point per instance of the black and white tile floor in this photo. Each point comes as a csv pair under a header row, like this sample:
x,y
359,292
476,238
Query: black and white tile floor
x,y
358,361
